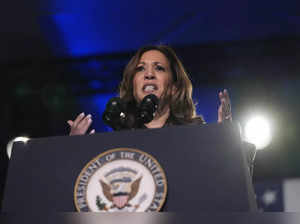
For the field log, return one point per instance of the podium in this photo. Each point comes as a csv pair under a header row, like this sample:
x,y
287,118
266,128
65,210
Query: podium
x,y
205,167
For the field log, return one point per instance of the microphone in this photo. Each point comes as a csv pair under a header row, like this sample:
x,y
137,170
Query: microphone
x,y
115,114
147,108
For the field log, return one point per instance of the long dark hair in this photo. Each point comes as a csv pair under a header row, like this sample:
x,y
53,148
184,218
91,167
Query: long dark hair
x,y
182,107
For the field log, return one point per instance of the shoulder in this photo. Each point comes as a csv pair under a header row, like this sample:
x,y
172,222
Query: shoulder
x,y
198,120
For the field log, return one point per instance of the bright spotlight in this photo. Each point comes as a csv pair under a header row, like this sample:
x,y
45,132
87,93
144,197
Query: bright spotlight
x,y
257,132
10,144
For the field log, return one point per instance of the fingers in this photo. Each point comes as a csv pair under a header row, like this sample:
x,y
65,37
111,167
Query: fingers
x,y
85,123
220,116
80,125
224,110
227,103
226,94
78,119
70,123
92,132
221,112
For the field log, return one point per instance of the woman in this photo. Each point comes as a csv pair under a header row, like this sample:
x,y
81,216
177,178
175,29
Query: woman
x,y
157,70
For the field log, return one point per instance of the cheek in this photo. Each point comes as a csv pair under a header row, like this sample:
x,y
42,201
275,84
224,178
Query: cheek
x,y
166,81
135,82
136,88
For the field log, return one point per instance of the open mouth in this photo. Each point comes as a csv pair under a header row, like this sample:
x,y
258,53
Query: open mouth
x,y
149,88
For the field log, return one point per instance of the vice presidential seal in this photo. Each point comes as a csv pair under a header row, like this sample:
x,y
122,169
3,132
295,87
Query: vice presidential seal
x,y
120,180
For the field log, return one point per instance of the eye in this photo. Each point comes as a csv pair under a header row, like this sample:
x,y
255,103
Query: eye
x,y
139,68
159,68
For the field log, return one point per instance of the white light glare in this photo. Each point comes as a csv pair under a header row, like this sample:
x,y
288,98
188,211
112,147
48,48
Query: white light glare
x,y
257,132
10,144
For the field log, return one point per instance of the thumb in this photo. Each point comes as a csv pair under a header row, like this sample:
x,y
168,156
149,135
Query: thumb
x,y
220,114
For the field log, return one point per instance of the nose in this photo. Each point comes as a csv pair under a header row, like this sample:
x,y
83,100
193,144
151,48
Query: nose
x,y
149,74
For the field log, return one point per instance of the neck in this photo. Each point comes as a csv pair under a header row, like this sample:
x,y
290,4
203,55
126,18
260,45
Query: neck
x,y
159,119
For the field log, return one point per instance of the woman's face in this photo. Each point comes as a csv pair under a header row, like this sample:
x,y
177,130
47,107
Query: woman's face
x,y
153,74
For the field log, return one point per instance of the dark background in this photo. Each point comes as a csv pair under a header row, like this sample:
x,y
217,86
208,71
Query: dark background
x,y
59,58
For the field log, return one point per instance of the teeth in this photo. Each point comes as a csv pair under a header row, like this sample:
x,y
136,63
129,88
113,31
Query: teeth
x,y
149,88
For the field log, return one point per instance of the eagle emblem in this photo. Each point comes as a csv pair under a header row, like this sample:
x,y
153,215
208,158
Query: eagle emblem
x,y
120,187
121,180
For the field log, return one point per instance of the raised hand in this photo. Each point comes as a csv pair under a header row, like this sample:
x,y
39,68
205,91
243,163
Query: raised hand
x,y
224,110
80,125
